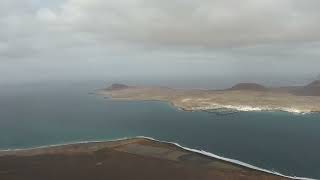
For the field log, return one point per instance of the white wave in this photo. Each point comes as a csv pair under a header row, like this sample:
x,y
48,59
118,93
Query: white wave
x,y
249,108
237,162
64,144
228,159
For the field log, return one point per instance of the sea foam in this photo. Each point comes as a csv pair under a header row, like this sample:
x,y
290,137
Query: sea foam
x,y
245,108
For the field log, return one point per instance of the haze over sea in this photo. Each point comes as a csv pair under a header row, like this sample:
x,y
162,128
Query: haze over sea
x,y
40,114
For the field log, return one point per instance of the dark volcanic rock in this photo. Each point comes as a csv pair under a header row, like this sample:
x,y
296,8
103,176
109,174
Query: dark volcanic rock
x,y
312,89
248,86
117,87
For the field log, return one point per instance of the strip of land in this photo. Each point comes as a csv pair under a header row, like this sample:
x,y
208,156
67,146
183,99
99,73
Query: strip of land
x,y
129,159
241,97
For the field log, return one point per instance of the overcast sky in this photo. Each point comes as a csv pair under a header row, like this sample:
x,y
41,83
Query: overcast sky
x,y
88,39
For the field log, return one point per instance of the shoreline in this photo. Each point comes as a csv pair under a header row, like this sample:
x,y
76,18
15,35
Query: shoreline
x,y
217,108
250,109
201,152
203,100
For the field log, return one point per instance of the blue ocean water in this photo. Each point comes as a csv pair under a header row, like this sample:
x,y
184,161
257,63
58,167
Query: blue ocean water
x,y
45,114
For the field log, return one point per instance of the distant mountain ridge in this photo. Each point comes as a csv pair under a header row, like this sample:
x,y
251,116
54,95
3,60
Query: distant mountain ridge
x,y
312,89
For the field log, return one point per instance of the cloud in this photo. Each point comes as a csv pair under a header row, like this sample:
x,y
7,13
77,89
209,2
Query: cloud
x,y
209,23
165,23
160,33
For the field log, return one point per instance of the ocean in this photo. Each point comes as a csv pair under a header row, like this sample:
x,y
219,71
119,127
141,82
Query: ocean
x,y
45,114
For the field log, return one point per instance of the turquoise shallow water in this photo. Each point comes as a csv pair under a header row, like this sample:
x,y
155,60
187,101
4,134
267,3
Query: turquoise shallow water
x,y
51,114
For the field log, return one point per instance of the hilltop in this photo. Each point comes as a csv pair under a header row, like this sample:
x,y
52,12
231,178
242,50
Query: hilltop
x,y
312,89
117,86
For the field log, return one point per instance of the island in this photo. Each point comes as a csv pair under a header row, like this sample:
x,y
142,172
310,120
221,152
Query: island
x,y
241,97
126,159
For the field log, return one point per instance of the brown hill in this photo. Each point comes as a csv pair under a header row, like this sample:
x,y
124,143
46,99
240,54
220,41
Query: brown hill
x,y
249,87
312,89
117,87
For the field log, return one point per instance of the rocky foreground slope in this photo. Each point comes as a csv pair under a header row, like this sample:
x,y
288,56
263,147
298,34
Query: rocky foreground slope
x,y
131,159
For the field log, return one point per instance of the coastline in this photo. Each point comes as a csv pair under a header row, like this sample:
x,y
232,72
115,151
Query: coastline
x,y
9,152
217,107
204,100
251,109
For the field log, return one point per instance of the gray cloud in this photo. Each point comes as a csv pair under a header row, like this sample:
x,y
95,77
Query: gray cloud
x,y
160,36
192,23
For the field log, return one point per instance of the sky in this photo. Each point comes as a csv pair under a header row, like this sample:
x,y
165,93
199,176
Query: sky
x,y
44,40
